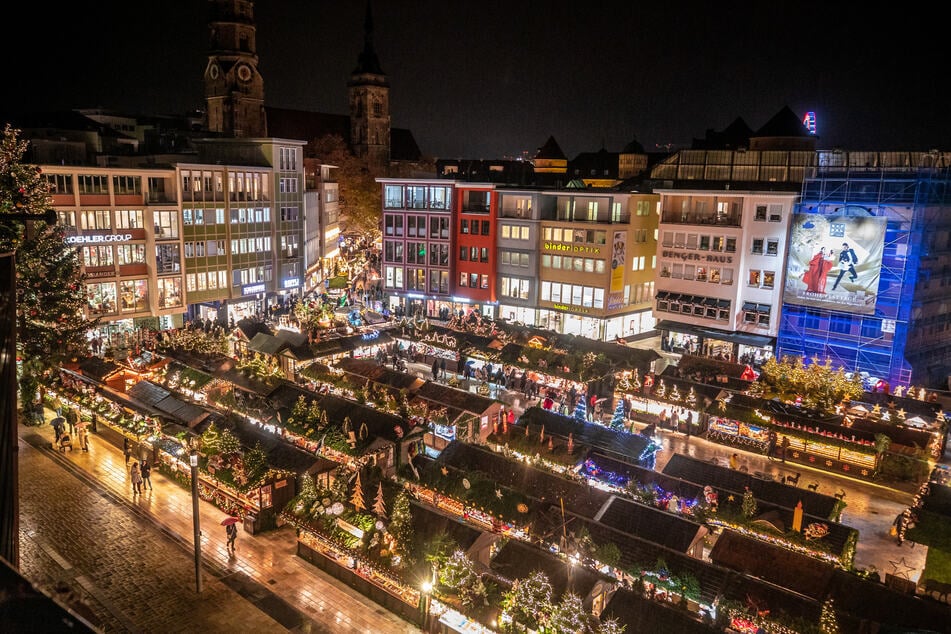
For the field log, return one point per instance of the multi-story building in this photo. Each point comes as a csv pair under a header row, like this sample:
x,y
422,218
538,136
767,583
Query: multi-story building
x,y
321,222
869,267
474,255
723,227
596,262
517,240
417,232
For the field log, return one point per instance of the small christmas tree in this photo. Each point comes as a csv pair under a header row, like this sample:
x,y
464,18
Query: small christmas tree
x,y
379,506
401,524
357,498
692,397
338,490
827,621
581,411
308,490
228,442
749,503
661,389
636,381
617,421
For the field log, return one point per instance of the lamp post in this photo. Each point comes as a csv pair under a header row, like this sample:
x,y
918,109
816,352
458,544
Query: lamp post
x,y
427,589
193,460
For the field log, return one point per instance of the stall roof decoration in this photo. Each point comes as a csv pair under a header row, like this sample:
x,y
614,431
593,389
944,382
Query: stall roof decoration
x,y
913,406
98,369
638,614
429,523
280,454
463,340
518,560
863,599
702,390
338,345
900,434
769,491
667,529
250,384
365,369
627,471
756,595
284,342
443,395
536,483
788,412
379,424
620,443
158,398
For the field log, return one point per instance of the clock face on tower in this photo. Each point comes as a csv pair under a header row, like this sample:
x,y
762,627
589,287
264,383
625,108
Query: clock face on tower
x,y
244,72
214,71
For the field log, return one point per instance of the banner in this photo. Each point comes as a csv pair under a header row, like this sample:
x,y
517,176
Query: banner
x,y
835,262
618,258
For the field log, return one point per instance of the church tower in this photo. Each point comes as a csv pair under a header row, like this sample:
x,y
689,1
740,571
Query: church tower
x,y
234,89
369,95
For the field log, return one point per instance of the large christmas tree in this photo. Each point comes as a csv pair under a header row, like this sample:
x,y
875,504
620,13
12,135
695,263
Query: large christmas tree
x,y
617,421
580,410
51,325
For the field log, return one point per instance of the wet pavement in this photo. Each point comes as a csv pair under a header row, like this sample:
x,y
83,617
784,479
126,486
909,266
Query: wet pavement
x,y
128,560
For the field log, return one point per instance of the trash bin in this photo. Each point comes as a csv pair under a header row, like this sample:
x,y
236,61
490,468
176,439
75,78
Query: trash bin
x,y
250,521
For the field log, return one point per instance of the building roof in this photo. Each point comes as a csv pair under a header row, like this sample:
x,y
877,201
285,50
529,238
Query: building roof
x,y
161,399
456,399
784,123
551,150
735,135
667,529
518,560
638,614
372,371
628,446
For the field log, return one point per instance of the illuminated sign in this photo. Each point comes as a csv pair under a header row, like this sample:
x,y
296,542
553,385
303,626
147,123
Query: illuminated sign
x,y
350,528
572,308
461,300
699,257
292,283
109,237
416,296
809,120
573,248
835,262
253,289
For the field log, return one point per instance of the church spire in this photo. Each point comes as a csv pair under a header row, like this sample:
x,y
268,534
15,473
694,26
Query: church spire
x,y
368,63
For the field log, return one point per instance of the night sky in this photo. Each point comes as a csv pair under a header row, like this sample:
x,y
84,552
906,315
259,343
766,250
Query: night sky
x,y
496,78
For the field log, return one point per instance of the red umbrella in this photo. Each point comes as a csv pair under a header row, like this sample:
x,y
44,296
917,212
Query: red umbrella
x,y
230,520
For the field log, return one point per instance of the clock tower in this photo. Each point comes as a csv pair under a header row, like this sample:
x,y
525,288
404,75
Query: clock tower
x,y
234,89
369,96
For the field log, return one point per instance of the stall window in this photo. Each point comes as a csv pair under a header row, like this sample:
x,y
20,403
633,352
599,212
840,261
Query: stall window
x,y
267,496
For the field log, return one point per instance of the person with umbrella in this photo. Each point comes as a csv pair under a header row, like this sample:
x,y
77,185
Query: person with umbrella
x,y
58,426
231,528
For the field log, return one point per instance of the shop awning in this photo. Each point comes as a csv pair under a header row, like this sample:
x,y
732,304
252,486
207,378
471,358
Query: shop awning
x,y
710,301
723,303
744,338
764,308
663,295
749,306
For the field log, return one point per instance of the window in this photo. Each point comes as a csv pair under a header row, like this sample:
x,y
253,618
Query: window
x,y
769,279
517,288
731,245
463,279
130,254
97,256
95,219
772,247
416,226
775,213
416,252
287,185
393,197
415,197
704,243
94,184
127,185
393,276
169,292
464,226
760,215
754,278
60,183
726,276
486,228
393,225
474,280
167,258
592,210
757,246
288,158
289,246
289,214
483,281
101,298
463,253
439,197
484,254
615,212
717,243
166,225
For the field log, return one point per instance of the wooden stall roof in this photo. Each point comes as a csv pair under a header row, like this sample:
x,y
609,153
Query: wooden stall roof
x,y
536,483
336,345
723,478
429,523
372,371
938,499
638,614
756,594
266,343
250,384
161,399
667,529
785,568
297,345
456,399
518,560
98,369
280,454
895,611
683,489
246,329
379,424
613,442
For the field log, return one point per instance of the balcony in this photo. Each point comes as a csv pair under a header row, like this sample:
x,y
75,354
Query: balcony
x,y
476,208
689,218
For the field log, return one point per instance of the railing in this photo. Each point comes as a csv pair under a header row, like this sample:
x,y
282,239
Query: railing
x,y
672,217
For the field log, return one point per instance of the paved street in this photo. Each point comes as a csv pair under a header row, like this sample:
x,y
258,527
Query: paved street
x,y
131,559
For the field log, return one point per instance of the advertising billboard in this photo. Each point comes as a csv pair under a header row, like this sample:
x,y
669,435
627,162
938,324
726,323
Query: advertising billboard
x,y
618,258
835,262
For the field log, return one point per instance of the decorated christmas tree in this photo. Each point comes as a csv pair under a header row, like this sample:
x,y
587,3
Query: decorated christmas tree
x,y
401,524
827,621
379,505
50,285
308,489
580,410
357,498
749,503
617,421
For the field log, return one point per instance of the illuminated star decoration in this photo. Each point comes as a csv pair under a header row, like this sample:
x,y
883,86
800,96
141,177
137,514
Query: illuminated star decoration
x,y
902,569
498,493
445,471
730,499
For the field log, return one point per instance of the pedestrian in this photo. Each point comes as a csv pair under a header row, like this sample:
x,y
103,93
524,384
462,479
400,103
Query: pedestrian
x,y
146,474
511,417
136,474
435,369
784,446
442,368
126,449
689,422
735,461
232,531
84,438
771,445
58,427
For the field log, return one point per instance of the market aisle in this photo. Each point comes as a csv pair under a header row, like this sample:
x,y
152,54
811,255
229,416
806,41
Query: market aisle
x,y
265,568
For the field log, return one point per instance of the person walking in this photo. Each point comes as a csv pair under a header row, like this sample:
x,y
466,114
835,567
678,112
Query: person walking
x,y
146,475
136,474
735,461
58,427
126,449
232,531
442,368
435,369
84,438
784,446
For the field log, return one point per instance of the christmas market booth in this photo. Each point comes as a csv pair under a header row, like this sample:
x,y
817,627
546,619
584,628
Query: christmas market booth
x,y
288,350
669,401
636,613
465,415
358,371
366,344
437,343
343,430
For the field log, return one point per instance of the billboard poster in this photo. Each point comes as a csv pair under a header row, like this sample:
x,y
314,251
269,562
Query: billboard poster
x,y
618,257
835,262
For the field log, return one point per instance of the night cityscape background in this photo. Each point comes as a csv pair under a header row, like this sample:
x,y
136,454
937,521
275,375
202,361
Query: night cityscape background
x,y
474,318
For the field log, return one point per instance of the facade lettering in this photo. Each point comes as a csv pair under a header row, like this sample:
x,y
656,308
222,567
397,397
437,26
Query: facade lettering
x,y
697,257
573,248
118,237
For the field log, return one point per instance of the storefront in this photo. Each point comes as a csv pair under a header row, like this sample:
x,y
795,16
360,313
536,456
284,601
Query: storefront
x,y
682,338
527,315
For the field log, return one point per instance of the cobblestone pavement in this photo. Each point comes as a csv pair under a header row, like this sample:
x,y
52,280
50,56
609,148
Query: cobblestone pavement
x,y
128,561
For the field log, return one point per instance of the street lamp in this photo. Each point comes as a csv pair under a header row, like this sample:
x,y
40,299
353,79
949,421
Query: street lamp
x,y
427,588
193,460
